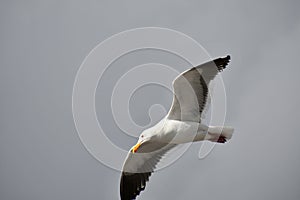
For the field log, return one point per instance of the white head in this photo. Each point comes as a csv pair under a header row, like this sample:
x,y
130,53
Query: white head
x,y
146,135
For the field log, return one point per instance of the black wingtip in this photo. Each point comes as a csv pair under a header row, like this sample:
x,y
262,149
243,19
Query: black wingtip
x,y
221,63
226,59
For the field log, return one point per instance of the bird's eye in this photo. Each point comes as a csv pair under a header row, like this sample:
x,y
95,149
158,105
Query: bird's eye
x,y
142,136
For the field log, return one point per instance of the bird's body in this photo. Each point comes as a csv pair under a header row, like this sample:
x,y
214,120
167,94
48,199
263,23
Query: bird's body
x,y
181,125
178,132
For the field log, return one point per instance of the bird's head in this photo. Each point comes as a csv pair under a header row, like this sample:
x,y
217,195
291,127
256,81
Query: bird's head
x,y
143,138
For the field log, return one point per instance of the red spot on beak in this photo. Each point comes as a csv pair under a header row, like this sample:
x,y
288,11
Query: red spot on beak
x,y
135,147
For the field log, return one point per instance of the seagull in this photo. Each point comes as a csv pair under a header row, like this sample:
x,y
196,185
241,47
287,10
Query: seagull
x,y
181,125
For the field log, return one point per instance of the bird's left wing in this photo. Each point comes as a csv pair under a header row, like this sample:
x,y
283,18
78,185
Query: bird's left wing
x,y
139,166
191,90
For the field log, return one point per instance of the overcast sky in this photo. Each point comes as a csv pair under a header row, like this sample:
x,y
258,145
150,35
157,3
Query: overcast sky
x,y
43,44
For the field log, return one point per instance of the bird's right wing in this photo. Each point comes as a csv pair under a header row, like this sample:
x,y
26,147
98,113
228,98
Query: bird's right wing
x,y
139,166
191,90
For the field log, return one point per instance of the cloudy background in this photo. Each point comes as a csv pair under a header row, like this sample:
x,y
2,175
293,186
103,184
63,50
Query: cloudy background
x,y
42,45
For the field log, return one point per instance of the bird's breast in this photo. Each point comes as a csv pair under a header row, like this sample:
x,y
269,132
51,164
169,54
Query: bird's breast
x,y
178,132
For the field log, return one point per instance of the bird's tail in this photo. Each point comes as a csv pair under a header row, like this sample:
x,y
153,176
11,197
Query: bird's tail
x,y
220,134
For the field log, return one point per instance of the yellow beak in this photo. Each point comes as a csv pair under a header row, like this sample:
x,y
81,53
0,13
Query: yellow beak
x,y
135,147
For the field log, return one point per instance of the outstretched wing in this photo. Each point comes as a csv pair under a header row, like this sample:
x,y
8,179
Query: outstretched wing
x,y
191,90
139,166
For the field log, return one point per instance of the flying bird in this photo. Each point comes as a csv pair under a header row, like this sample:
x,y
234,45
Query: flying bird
x,y
181,125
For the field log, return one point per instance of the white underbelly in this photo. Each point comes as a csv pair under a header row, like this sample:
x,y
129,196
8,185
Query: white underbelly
x,y
178,132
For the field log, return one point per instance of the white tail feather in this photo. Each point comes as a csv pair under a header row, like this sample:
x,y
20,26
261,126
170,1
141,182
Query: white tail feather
x,y
216,131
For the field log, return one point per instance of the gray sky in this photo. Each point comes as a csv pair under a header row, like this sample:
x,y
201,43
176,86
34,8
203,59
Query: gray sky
x,y
43,44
